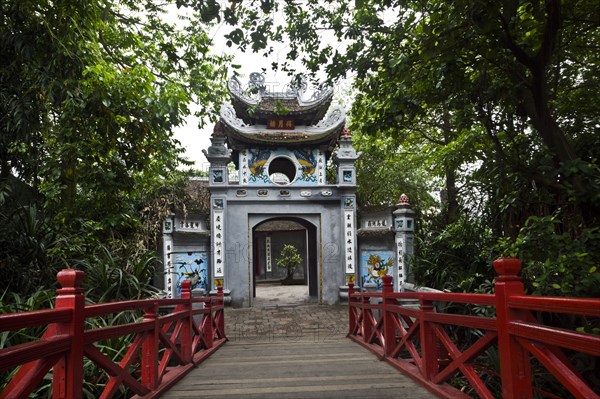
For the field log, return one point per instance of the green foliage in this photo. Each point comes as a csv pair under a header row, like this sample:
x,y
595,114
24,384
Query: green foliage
x,y
385,171
289,259
455,257
90,95
12,302
112,274
25,236
558,262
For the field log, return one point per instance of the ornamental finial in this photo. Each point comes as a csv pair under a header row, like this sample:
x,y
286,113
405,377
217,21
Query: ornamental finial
x,y
404,200
346,133
218,129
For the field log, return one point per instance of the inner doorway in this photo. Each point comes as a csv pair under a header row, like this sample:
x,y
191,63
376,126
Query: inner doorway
x,y
269,238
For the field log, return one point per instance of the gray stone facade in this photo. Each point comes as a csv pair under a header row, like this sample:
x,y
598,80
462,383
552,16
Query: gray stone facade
x,y
322,215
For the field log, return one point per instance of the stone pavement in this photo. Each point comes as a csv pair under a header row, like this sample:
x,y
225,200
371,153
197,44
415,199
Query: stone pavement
x,y
284,313
287,347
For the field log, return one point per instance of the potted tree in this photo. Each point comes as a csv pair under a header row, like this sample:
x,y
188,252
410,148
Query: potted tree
x,y
289,259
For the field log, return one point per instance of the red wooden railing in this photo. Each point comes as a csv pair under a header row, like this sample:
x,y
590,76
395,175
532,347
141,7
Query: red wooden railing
x,y
422,343
164,347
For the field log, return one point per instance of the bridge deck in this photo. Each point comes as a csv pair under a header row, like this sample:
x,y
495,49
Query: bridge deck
x,y
293,351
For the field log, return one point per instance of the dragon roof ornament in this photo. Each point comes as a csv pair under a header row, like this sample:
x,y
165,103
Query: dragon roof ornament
x,y
256,90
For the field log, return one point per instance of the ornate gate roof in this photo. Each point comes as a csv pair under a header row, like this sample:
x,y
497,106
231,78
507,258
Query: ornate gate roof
x,y
259,115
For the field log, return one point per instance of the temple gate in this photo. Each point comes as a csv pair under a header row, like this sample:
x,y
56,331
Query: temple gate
x,y
283,146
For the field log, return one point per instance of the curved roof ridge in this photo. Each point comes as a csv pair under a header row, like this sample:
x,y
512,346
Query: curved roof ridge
x,y
256,90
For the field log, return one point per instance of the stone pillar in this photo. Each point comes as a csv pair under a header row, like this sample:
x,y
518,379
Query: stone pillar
x,y
404,225
219,156
347,182
169,268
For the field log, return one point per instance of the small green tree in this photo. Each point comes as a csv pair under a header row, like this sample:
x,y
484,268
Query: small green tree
x,y
289,259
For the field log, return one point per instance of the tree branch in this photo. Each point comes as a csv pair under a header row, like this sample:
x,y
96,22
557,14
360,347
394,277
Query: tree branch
x,y
551,29
517,51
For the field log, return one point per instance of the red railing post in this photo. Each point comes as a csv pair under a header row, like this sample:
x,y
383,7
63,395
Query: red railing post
x,y
367,326
351,318
221,318
68,372
187,322
207,325
150,377
429,347
389,329
515,368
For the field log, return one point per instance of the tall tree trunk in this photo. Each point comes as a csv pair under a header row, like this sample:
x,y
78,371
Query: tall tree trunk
x,y
451,190
536,104
536,97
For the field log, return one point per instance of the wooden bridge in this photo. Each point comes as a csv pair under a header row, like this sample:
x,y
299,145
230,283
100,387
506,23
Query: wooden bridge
x,y
291,351
499,349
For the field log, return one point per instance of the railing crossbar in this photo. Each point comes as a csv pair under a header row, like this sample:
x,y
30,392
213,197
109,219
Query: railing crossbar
x,y
163,347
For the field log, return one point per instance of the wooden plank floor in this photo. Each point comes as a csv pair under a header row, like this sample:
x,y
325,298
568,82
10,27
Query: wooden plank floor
x,y
286,351
303,369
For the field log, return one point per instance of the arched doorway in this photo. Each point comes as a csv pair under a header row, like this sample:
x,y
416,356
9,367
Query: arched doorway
x,y
269,238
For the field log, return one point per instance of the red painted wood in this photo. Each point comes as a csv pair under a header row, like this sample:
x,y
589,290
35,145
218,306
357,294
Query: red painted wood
x,y
207,327
25,353
159,342
557,337
367,318
580,306
427,337
34,318
186,323
68,373
462,360
415,341
132,355
104,309
150,376
515,368
462,320
564,372
421,342
389,325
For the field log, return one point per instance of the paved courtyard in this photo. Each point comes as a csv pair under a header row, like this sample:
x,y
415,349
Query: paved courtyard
x,y
285,314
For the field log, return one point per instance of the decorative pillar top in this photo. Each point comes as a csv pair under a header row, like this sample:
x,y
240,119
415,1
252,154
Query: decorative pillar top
x,y
217,153
346,154
404,216
218,130
403,200
403,206
508,269
70,280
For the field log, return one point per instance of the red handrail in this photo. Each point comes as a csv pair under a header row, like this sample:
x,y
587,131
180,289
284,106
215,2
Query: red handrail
x,y
420,341
165,346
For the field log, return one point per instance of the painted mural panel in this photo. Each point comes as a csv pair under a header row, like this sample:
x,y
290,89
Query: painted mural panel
x,y
192,266
374,264
309,164
257,160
